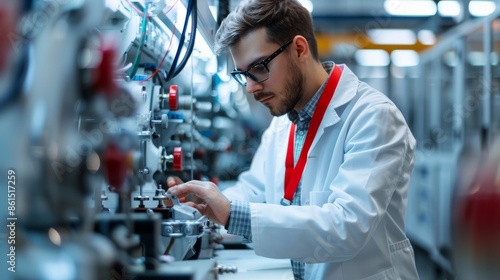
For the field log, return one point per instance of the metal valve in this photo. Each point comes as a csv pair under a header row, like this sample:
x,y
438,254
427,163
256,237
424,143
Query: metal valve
x,y
221,269
175,159
159,194
163,121
141,198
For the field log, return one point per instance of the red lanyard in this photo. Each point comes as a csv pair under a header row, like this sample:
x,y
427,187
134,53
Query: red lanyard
x,y
293,174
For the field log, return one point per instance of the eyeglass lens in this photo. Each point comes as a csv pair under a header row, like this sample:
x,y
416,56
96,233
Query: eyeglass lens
x,y
258,73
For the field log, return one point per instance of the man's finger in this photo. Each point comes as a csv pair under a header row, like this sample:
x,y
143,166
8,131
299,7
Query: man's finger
x,y
184,189
173,180
199,207
203,190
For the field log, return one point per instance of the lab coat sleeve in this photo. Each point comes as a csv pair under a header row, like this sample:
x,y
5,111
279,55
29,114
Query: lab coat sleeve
x,y
250,185
378,156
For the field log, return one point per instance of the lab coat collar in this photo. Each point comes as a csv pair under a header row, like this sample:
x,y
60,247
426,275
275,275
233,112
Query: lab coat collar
x,y
345,92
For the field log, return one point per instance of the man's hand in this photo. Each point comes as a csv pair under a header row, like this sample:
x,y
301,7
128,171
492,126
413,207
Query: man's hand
x,y
215,206
172,181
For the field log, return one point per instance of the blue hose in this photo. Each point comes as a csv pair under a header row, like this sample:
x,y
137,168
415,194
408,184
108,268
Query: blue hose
x,y
137,59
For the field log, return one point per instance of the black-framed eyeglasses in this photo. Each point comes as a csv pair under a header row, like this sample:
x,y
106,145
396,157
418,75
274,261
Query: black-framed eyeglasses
x,y
258,71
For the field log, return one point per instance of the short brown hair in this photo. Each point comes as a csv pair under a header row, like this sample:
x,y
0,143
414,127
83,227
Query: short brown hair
x,y
282,19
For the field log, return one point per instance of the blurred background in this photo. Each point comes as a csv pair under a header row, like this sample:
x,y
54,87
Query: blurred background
x,y
102,100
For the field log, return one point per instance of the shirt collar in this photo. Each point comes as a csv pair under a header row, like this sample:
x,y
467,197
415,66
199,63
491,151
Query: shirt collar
x,y
308,110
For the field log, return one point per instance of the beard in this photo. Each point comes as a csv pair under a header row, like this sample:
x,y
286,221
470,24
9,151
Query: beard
x,y
291,95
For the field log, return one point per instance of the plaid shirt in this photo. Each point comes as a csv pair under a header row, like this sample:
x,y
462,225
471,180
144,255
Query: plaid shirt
x,y
240,218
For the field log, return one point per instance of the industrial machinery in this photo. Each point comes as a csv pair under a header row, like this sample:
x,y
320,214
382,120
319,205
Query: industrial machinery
x,y
118,96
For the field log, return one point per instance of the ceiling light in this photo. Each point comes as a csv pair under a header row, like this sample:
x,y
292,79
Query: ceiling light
x,y
392,36
449,8
410,8
426,37
481,8
405,58
372,57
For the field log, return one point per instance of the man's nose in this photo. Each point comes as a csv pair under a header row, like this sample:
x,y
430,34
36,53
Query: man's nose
x,y
253,87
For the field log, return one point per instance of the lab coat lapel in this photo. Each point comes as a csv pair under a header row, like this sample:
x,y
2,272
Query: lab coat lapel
x,y
345,92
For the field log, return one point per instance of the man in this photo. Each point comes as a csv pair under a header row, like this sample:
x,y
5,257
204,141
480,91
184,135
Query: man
x,y
328,184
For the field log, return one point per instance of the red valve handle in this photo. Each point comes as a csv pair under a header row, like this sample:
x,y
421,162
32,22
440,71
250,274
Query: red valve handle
x,y
178,159
173,98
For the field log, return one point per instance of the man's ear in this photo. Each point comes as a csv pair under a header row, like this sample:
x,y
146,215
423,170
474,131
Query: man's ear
x,y
301,48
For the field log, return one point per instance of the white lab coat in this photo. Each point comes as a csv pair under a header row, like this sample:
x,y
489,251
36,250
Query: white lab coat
x,y
354,191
